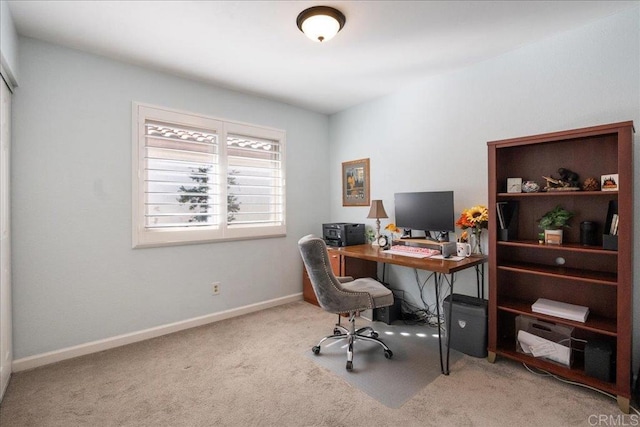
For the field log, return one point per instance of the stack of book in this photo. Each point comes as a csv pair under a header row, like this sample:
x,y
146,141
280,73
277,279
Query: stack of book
x,y
613,230
500,209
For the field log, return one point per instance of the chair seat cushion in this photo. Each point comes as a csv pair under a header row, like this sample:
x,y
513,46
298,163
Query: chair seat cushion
x,y
382,296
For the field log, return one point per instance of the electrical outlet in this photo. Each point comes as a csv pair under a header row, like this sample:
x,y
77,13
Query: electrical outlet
x,y
215,288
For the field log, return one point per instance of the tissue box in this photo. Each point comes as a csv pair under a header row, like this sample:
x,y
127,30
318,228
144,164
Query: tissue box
x,y
543,339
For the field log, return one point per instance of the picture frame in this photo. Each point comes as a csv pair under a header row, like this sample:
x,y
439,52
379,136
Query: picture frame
x,y
514,185
609,182
355,183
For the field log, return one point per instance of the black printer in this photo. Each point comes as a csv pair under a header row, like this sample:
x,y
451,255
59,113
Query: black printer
x,y
343,234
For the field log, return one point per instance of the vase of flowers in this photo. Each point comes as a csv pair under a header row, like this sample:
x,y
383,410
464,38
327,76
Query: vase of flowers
x,y
396,232
473,220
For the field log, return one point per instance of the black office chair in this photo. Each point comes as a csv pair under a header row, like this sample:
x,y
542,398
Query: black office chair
x,y
343,295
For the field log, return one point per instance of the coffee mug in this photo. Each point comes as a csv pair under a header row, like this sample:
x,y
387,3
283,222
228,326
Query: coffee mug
x,y
463,249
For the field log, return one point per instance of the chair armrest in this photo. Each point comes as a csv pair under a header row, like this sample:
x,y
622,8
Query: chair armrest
x,y
344,279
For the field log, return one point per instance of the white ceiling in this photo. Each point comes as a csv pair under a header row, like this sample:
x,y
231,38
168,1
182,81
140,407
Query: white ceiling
x,y
256,47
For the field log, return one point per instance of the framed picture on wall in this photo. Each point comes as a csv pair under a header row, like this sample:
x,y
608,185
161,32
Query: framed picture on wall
x,y
355,183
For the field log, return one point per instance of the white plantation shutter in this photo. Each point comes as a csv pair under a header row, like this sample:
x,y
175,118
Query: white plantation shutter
x,y
201,179
180,164
255,182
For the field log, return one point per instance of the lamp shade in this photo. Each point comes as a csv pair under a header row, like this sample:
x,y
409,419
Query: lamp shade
x,y
377,210
320,23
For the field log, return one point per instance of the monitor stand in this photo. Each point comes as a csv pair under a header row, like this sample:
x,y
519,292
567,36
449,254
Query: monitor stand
x,y
427,236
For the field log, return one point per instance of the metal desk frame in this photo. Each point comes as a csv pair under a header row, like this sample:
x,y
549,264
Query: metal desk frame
x,y
440,268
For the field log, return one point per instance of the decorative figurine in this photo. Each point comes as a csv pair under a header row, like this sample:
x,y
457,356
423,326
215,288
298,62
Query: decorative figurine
x,y
568,176
530,187
591,184
568,181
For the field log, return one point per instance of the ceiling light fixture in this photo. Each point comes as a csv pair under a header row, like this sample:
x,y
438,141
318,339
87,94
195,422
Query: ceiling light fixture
x,y
320,23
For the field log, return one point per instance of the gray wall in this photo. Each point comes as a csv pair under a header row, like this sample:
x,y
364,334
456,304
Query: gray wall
x,y
76,278
433,135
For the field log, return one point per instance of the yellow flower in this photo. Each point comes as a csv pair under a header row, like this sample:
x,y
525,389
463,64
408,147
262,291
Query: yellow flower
x,y
392,228
478,216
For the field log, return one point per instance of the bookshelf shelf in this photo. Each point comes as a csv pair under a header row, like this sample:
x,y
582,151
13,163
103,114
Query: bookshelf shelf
x,y
569,247
562,194
578,274
598,324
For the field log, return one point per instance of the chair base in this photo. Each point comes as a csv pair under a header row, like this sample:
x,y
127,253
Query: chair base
x,y
352,335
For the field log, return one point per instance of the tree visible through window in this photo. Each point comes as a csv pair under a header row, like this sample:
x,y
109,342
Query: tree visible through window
x,y
197,197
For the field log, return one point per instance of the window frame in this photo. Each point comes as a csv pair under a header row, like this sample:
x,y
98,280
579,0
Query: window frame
x,y
143,236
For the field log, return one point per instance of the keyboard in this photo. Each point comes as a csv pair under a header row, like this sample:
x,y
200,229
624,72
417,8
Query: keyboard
x,y
411,251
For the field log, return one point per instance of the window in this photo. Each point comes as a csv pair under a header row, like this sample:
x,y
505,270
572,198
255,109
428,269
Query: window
x,y
199,179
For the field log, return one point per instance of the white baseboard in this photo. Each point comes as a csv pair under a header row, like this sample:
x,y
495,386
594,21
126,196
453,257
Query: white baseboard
x,y
120,340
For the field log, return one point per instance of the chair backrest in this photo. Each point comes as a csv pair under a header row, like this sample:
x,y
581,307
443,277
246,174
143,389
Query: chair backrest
x,y
331,296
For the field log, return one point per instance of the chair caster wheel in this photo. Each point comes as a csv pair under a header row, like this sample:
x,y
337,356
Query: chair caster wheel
x,y
349,365
316,349
374,334
388,354
337,331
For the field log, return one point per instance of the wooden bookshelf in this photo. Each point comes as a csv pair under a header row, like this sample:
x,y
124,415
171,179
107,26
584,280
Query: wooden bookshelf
x,y
521,270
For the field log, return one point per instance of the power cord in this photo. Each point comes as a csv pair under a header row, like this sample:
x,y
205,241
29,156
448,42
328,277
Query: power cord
x,y
549,374
431,309
421,284
427,314
411,314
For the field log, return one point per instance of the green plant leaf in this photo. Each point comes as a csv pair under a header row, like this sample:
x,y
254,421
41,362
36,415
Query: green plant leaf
x,y
556,218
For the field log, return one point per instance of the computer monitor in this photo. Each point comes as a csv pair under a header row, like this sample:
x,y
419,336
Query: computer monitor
x,y
428,211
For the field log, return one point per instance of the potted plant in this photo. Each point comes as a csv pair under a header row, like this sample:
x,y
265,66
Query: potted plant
x,y
552,223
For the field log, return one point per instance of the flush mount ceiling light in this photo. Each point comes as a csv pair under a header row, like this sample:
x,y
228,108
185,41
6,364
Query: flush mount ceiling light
x,y
320,23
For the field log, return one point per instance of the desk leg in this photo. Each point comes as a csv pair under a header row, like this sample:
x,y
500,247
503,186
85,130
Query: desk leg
x,y
480,280
438,279
435,279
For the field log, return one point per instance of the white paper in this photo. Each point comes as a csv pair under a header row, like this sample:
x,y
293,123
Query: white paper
x,y
561,309
556,352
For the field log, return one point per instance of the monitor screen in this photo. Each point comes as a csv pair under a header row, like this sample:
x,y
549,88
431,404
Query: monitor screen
x,y
426,211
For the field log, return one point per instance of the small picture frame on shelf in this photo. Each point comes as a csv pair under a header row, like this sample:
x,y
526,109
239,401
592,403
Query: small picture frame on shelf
x,y
553,237
514,185
609,182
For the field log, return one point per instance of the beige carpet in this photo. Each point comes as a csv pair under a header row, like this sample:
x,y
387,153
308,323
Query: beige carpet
x,y
252,371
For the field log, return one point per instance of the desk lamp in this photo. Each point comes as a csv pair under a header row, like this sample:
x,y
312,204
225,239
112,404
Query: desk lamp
x,y
377,212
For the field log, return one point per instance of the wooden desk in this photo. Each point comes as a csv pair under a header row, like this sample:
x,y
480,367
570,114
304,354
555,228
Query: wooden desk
x,y
440,267
444,266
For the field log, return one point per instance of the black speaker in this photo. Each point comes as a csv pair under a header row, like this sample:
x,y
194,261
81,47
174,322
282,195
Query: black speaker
x,y
599,360
588,233
388,314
